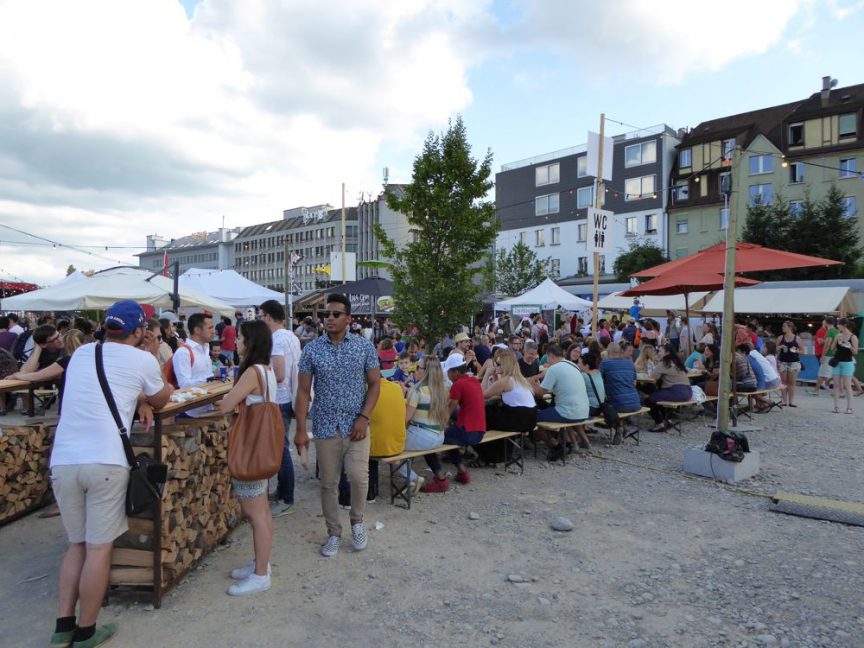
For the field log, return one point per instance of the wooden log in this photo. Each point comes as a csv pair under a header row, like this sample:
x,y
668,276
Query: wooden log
x,y
131,576
132,558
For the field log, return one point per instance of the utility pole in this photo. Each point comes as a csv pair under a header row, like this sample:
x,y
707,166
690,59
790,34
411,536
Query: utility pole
x,y
344,246
727,337
598,195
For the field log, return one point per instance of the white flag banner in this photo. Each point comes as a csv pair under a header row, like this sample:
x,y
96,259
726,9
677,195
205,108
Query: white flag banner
x,y
594,155
600,223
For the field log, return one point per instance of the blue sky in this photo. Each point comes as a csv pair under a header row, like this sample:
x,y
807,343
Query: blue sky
x,y
214,109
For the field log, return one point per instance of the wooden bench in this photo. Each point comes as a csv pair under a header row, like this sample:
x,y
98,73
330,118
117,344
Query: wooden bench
x,y
515,456
598,422
676,405
772,402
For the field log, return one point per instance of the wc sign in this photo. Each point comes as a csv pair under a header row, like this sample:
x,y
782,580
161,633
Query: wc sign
x,y
600,230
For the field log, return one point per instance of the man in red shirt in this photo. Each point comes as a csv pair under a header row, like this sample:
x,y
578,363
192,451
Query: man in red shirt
x,y
229,343
467,394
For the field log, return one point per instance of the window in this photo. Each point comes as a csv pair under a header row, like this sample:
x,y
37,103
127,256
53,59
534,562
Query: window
x,y
638,188
539,238
849,168
682,191
848,125
583,265
555,268
796,134
632,226
582,166
547,204
728,147
556,236
796,172
850,206
685,158
636,154
761,194
761,164
549,174
681,225
523,238
724,218
651,224
584,197
582,232
796,208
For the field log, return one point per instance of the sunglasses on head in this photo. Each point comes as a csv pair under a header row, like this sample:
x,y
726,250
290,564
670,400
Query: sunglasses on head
x,y
333,314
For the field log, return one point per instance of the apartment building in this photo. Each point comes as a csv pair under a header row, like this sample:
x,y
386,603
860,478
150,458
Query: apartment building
x,y
791,150
209,250
542,201
309,232
372,212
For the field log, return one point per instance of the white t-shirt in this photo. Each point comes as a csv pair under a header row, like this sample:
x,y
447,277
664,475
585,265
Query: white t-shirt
x,y
190,373
519,396
16,329
87,432
286,344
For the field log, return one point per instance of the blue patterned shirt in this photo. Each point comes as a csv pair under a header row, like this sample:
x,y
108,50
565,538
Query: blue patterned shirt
x,y
339,381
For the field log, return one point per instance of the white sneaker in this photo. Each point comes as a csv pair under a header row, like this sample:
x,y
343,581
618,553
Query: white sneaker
x,y
246,570
359,537
331,547
252,584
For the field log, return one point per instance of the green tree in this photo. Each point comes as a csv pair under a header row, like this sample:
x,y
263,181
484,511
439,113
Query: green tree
x,y
769,224
518,270
435,277
641,254
70,269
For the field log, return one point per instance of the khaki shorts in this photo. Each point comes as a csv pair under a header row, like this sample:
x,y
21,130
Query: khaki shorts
x,y
825,369
92,501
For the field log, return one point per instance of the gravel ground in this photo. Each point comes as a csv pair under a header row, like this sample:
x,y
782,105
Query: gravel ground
x,y
655,559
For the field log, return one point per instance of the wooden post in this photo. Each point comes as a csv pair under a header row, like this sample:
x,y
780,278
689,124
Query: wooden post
x,y
727,337
597,203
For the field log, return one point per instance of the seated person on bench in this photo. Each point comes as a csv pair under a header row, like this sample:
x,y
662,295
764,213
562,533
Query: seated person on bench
x,y
619,378
745,378
766,377
673,385
516,410
467,394
564,381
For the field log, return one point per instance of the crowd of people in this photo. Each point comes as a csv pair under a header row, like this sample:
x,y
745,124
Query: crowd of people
x,y
377,390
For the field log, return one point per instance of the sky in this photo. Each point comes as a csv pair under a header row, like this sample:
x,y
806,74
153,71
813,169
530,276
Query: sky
x,y
123,118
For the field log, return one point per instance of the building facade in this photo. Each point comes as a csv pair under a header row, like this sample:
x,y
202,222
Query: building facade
x,y
260,251
395,224
543,201
791,151
206,250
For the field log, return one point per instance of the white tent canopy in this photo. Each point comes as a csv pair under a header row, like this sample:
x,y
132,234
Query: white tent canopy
x,y
106,287
765,301
652,305
549,296
228,286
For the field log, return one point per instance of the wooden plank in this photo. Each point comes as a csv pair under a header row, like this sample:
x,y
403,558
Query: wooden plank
x,y
131,558
131,576
140,526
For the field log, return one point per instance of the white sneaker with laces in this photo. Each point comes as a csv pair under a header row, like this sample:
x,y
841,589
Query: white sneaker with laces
x,y
331,547
252,584
359,538
243,572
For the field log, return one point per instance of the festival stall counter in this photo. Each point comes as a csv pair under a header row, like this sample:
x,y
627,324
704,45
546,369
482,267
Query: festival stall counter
x,y
197,510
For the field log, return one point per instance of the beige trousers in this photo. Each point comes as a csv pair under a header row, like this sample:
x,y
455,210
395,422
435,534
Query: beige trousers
x,y
331,454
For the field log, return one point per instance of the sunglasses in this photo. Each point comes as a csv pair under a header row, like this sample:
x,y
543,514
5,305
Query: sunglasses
x,y
333,314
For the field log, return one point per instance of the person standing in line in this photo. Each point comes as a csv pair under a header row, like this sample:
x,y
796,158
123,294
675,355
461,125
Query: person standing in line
x,y
343,368
89,470
191,360
284,360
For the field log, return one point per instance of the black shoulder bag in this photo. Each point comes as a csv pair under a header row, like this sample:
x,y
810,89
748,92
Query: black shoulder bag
x,y
146,475
610,415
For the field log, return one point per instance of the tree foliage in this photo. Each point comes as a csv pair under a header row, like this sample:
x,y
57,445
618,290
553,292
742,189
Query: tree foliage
x,y
70,269
641,255
816,228
435,277
518,270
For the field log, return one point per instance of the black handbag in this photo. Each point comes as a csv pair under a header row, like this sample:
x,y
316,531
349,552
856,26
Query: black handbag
x,y
610,414
146,476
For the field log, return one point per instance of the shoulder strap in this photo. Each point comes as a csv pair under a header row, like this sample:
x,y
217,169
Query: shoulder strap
x,y
263,382
594,387
109,398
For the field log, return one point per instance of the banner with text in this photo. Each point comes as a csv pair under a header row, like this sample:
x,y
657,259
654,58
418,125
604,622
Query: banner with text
x,y
600,223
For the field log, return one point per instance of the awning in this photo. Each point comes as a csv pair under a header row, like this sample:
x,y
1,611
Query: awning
x,y
770,301
652,305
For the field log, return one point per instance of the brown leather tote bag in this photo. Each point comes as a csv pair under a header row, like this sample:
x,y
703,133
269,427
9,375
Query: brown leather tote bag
x,y
256,439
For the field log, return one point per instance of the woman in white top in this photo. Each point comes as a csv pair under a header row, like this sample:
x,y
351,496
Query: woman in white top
x,y
517,411
254,344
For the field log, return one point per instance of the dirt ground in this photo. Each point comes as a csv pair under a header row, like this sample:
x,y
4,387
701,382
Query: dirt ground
x,y
655,559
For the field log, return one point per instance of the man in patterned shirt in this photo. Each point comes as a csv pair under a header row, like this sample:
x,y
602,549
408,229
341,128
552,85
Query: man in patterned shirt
x,y
345,370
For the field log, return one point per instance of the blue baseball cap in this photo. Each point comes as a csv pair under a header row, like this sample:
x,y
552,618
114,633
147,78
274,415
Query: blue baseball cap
x,y
125,316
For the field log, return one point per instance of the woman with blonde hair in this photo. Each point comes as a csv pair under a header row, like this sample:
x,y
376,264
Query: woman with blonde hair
x,y
517,410
427,412
646,360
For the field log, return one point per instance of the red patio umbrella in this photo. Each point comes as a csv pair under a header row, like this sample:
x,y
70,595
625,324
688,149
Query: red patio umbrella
x,y
749,257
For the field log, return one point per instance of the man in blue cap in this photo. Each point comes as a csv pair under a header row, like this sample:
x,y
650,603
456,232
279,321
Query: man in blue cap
x,y
89,470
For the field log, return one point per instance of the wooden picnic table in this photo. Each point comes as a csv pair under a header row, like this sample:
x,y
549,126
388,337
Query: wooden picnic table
x,y
9,385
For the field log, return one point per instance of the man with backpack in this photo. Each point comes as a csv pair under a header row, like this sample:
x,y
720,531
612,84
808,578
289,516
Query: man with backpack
x,y
191,361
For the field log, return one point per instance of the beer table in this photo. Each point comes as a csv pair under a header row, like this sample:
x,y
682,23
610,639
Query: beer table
x,y
9,385
197,510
